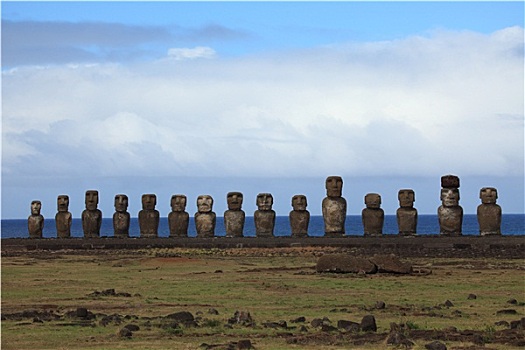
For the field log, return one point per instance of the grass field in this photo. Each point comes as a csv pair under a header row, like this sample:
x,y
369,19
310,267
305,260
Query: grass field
x,y
271,284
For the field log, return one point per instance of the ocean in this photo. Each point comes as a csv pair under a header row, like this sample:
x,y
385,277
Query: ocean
x,y
511,224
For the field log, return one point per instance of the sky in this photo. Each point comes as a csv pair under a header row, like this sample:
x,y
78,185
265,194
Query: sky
x,y
212,97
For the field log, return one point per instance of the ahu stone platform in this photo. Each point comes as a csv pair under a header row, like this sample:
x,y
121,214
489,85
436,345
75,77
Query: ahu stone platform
x,y
501,247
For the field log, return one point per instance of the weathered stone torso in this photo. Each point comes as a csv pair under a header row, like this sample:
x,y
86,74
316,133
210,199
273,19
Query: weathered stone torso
x,y
205,224
407,221
264,223
450,220
178,222
299,221
63,224
91,222
149,223
35,225
373,220
334,215
121,222
489,219
234,223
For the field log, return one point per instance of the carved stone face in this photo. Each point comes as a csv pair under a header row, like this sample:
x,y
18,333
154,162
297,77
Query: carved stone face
x,y
406,198
204,203
264,201
178,202
334,186
121,203
149,201
91,200
373,201
35,207
450,197
234,200
299,202
488,195
63,202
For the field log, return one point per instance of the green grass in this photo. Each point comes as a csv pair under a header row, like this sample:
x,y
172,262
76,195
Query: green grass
x,y
190,282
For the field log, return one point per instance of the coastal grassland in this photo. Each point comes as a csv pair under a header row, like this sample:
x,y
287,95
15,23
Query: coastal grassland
x,y
271,284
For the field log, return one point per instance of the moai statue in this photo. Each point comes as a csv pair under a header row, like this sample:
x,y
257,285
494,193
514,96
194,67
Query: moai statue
x,y
234,217
334,208
63,218
205,218
299,216
406,213
149,217
264,216
489,213
121,217
373,216
178,218
450,213
91,216
35,222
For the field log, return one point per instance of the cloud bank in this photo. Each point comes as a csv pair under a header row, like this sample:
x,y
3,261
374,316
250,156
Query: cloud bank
x,y
448,103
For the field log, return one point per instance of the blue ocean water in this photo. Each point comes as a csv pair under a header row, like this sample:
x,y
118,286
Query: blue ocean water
x,y
511,224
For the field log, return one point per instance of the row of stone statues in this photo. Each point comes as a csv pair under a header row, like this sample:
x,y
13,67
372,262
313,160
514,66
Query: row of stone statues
x,y
450,214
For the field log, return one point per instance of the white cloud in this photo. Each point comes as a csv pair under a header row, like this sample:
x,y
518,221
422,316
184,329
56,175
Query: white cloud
x,y
450,103
179,54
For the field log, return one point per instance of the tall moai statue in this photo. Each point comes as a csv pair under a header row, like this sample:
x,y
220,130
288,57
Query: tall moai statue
x,y
299,216
334,207
121,217
35,221
450,213
63,217
178,218
373,216
234,217
149,217
205,218
406,213
264,216
91,216
489,213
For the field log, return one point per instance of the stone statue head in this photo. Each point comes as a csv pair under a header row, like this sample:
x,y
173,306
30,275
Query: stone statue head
x,y
488,195
63,202
178,202
449,181
149,201
91,199
299,202
450,197
234,200
334,186
264,201
406,198
121,203
36,206
204,203
373,201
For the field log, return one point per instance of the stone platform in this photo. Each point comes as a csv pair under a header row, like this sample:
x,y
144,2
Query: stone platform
x,y
501,247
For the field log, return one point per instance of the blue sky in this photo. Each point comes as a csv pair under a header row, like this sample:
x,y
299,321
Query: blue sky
x,y
211,97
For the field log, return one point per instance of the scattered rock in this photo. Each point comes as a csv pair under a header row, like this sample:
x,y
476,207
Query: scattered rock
x,y
243,318
303,329
368,324
82,312
344,263
436,345
298,319
502,324
448,303
472,296
348,326
132,327
184,317
244,344
391,264
380,305
213,311
397,338
125,333
512,301
519,324
507,312
316,322
328,328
